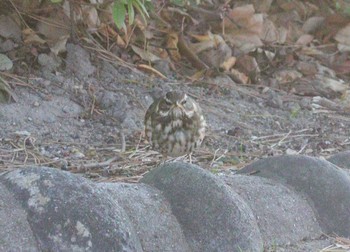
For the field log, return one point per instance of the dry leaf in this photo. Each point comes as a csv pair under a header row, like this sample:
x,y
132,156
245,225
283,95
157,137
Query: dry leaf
x,y
90,17
145,55
244,19
55,26
245,43
343,38
304,39
171,44
262,6
269,33
300,7
239,77
108,32
332,84
59,45
286,76
212,50
246,28
228,64
197,75
307,68
248,65
312,24
30,37
151,69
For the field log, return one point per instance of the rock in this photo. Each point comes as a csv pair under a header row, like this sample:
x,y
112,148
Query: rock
x,y
326,187
9,28
151,216
116,104
78,61
212,216
163,67
5,63
49,62
15,230
68,213
341,159
286,206
284,217
7,45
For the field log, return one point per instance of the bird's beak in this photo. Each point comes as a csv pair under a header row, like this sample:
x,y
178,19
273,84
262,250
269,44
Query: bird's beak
x,y
179,105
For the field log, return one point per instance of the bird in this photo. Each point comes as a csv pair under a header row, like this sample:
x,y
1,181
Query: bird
x,y
175,125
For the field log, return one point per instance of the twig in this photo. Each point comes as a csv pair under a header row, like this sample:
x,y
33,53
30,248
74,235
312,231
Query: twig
x,y
122,138
283,138
100,165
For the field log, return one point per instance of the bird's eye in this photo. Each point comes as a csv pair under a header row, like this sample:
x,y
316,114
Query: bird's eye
x,y
183,102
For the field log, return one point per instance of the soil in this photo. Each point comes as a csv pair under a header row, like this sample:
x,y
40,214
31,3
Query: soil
x,y
78,115
81,114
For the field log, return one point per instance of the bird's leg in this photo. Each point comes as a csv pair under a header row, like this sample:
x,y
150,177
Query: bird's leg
x,y
190,157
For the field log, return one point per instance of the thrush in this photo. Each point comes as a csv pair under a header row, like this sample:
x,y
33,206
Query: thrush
x,y
174,124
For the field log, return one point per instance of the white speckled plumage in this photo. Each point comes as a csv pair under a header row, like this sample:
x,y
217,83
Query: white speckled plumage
x,y
174,124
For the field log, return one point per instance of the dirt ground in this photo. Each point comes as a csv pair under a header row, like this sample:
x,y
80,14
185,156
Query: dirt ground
x,y
83,115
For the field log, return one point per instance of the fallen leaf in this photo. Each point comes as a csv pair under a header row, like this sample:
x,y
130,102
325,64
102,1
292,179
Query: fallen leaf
x,y
332,84
171,44
55,26
90,17
307,68
312,24
343,38
238,77
243,28
287,76
151,69
248,65
213,50
228,64
304,39
59,45
145,55
30,37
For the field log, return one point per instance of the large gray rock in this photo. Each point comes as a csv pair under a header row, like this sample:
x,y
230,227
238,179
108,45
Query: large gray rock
x,y
15,232
212,216
69,213
178,207
283,216
341,159
150,214
324,185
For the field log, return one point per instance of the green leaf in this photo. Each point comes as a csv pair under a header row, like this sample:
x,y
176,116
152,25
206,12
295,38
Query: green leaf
x,y
55,1
140,7
131,13
119,13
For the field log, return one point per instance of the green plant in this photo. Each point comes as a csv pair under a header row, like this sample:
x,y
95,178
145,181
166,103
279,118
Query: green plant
x,y
294,113
343,7
185,2
123,7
